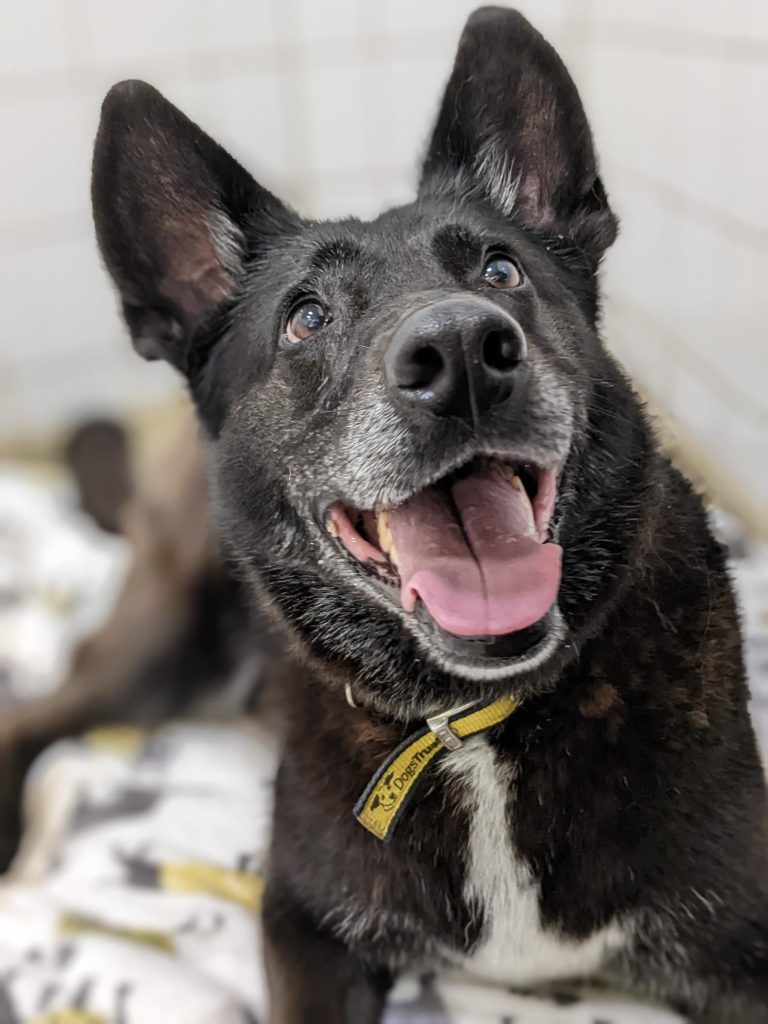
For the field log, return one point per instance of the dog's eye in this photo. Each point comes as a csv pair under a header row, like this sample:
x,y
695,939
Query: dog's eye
x,y
501,272
305,320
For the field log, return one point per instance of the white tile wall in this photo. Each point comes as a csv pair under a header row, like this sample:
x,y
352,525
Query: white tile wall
x,y
416,84
33,38
118,33
737,19
329,102
43,178
237,25
246,112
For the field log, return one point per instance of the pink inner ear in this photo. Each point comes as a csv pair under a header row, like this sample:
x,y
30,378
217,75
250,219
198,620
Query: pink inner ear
x,y
195,278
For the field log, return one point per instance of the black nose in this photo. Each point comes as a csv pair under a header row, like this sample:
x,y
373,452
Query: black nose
x,y
459,357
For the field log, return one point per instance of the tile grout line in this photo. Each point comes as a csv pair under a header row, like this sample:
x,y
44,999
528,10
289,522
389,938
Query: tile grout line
x,y
727,224
738,401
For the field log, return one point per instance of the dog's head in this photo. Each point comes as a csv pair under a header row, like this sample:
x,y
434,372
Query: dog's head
x,y
421,453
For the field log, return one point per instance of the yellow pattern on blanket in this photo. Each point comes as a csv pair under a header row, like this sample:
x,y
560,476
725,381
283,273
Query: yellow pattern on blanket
x,y
74,924
70,1016
236,886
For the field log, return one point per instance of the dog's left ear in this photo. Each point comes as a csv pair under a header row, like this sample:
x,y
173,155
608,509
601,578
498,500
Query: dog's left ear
x,y
512,127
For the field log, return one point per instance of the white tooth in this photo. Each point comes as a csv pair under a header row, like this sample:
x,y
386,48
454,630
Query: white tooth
x,y
332,528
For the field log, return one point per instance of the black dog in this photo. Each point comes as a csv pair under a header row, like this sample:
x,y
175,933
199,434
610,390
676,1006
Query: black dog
x,y
426,465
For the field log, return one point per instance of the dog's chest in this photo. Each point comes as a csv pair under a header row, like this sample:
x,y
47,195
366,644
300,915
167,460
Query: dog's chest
x,y
515,947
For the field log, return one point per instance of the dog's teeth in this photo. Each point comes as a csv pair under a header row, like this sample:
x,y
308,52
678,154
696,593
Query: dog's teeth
x,y
517,483
332,528
384,534
510,475
519,486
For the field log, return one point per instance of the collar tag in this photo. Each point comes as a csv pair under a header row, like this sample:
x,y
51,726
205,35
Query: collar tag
x,y
389,792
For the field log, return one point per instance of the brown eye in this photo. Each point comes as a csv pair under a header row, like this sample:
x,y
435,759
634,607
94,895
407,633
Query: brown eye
x,y
305,320
501,272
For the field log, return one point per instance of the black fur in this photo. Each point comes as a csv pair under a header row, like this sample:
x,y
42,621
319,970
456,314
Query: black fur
x,y
640,797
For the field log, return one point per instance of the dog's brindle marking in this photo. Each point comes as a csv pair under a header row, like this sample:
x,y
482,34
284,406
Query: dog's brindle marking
x,y
616,823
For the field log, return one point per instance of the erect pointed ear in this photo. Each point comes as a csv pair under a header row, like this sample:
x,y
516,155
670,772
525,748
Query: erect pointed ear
x,y
175,218
512,128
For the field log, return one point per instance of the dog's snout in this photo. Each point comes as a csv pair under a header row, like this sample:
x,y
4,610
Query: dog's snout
x,y
456,357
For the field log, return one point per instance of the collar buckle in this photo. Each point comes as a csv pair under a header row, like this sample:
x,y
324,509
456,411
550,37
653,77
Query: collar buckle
x,y
440,725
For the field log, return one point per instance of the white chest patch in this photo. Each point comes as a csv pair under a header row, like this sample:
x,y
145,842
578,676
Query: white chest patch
x,y
515,948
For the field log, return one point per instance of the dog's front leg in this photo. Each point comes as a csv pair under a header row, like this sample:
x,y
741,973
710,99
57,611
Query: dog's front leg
x,y
733,1010
312,977
716,972
742,998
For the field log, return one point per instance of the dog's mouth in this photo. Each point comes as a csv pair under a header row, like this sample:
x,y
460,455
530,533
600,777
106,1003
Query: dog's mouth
x,y
473,549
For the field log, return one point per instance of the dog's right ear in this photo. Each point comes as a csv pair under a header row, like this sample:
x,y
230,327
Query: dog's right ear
x,y
175,216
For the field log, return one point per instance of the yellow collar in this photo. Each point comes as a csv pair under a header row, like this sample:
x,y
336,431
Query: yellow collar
x,y
388,793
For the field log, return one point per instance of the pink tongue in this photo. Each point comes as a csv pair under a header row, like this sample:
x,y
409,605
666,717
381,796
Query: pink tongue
x,y
484,573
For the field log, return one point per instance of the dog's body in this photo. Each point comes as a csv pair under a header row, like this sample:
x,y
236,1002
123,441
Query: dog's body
x,y
424,401
588,835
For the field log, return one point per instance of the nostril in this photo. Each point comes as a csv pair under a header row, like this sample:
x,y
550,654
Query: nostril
x,y
503,349
422,368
